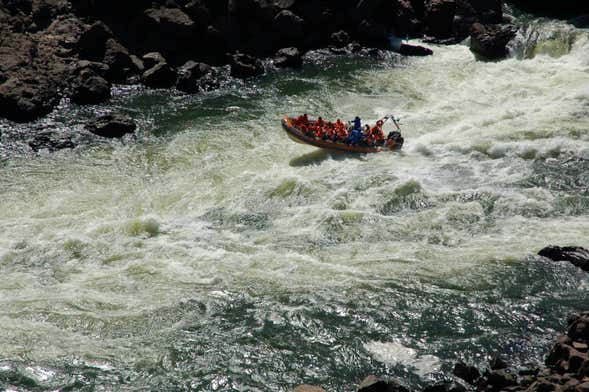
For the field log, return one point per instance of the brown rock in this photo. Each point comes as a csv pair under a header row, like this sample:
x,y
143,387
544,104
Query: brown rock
x,y
160,75
117,57
112,126
491,41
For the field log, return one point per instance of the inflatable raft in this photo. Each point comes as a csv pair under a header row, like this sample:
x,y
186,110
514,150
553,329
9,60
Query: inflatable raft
x,y
298,136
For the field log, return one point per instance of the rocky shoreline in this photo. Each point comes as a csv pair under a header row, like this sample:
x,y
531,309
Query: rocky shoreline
x,y
566,367
77,49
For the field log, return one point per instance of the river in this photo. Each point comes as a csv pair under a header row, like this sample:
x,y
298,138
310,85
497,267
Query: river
x,y
212,253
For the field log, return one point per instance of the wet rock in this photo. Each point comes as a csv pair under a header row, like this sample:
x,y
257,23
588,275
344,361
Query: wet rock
x,y
308,388
374,384
579,328
498,363
244,66
27,99
117,57
190,76
439,17
491,41
467,373
89,88
414,50
288,57
50,141
112,126
577,255
160,75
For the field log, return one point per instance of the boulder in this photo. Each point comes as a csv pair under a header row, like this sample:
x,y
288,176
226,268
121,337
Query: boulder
x,y
160,75
244,66
467,373
491,41
498,363
112,126
27,99
98,68
151,59
308,388
190,77
439,17
497,380
120,64
51,141
405,21
414,50
374,384
288,27
288,57
579,328
43,12
340,39
92,43
576,255
89,88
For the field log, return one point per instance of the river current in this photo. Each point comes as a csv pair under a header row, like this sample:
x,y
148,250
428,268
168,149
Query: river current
x,y
212,253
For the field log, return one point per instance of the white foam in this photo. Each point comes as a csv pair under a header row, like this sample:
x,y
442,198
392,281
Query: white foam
x,y
394,353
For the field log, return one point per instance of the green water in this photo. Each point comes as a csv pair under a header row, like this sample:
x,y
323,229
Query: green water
x,y
212,253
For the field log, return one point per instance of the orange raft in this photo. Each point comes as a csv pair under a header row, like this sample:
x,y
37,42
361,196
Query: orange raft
x,y
298,136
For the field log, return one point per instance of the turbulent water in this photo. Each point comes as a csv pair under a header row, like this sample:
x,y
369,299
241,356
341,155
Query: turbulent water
x,y
212,253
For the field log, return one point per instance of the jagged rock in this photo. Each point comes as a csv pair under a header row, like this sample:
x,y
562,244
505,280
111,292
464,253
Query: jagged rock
x,y
190,76
467,373
89,88
414,50
500,379
23,100
160,75
308,388
288,57
374,384
112,126
439,17
577,255
244,66
491,41
117,57
92,43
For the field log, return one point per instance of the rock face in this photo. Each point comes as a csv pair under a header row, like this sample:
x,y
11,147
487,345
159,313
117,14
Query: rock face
x,y
90,88
27,99
112,126
491,41
576,255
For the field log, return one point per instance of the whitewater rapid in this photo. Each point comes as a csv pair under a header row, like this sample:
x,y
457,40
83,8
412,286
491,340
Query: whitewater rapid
x,y
213,252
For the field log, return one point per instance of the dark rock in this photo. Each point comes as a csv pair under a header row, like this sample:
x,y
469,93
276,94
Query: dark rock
x,y
138,63
374,384
117,57
198,11
153,58
43,12
467,373
542,385
190,75
560,352
23,100
160,75
112,126
558,9
288,57
577,255
405,21
500,379
92,43
244,66
373,34
51,141
99,69
90,88
491,41
414,50
584,387
340,39
439,17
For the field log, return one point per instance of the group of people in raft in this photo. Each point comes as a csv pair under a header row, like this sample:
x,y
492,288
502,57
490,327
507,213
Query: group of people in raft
x,y
339,132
